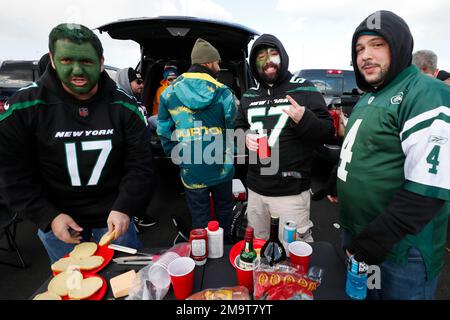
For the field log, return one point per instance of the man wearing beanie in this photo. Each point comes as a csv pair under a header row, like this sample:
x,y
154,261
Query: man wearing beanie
x,y
170,74
194,114
74,154
393,176
293,114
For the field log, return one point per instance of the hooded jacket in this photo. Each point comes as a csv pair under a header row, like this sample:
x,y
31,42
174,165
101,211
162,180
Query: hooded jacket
x,y
397,34
393,186
81,158
263,106
194,114
123,81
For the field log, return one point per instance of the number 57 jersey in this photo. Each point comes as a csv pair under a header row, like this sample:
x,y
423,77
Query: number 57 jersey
x,y
292,144
82,158
398,137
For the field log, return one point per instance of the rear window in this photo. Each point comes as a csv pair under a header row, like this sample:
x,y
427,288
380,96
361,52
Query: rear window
x,y
16,75
328,85
349,82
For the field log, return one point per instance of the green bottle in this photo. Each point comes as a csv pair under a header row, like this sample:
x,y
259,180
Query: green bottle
x,y
248,254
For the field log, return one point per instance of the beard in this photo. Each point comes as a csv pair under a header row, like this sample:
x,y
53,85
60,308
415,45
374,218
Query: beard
x,y
269,78
378,79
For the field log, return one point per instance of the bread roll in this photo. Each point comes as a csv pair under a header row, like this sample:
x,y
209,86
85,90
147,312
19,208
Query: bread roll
x,y
90,263
89,286
64,281
63,263
84,250
47,296
107,238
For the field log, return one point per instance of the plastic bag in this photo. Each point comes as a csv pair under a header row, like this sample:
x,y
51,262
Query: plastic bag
x,y
284,282
153,281
226,293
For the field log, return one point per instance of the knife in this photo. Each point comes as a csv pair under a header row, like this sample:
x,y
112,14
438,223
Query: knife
x,y
132,260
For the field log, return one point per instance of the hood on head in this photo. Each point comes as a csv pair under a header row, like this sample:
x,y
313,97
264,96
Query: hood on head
x,y
268,40
123,81
396,33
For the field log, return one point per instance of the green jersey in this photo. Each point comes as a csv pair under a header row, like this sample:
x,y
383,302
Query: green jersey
x,y
399,137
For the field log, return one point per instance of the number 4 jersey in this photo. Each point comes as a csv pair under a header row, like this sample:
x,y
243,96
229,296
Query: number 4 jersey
x,y
398,137
82,158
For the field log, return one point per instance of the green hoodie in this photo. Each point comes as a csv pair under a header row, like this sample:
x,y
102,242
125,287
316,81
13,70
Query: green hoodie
x,y
193,116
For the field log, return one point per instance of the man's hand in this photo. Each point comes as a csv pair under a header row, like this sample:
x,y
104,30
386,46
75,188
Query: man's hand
x,y
295,111
119,222
66,229
251,141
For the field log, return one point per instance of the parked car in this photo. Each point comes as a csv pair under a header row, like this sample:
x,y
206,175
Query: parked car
x,y
334,85
15,74
170,39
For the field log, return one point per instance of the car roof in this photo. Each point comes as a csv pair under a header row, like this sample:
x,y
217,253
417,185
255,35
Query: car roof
x,y
18,63
173,36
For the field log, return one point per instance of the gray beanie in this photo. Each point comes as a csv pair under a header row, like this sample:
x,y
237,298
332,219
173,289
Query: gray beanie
x,y
204,52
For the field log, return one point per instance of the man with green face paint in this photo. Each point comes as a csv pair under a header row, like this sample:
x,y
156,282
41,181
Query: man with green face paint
x,y
294,116
74,154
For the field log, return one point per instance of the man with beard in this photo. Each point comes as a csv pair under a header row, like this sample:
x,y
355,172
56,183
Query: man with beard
x,y
292,112
194,114
393,175
74,154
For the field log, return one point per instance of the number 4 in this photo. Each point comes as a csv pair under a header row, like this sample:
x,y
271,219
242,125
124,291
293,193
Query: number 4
x,y
433,159
346,151
72,161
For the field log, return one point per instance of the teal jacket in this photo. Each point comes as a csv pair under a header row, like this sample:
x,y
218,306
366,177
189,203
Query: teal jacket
x,y
194,114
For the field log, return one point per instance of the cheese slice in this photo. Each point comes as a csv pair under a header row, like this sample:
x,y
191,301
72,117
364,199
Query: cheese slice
x,y
121,284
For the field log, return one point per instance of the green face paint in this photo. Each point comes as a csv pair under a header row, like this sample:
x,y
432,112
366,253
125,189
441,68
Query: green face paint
x,y
266,55
77,65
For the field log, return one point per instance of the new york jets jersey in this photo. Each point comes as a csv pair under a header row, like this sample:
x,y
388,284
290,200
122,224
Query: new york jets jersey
x,y
398,137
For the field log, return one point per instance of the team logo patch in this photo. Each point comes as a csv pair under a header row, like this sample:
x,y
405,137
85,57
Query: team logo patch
x,y
438,140
6,106
83,112
371,100
397,99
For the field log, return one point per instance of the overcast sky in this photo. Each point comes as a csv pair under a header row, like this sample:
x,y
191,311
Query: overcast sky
x,y
316,34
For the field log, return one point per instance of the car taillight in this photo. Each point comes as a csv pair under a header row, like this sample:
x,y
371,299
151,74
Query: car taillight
x,y
335,72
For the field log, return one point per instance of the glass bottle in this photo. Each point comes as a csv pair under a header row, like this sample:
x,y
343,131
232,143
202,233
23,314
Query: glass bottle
x,y
273,250
248,254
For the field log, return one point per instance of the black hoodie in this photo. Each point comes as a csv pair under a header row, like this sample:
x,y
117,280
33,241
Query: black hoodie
x,y
295,142
396,33
82,158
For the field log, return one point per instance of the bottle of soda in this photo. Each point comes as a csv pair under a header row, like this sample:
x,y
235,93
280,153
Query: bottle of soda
x,y
248,254
273,251
356,285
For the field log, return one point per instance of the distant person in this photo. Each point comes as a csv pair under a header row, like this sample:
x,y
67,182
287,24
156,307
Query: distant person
x,y
43,63
444,76
393,176
131,82
194,115
74,153
426,61
170,74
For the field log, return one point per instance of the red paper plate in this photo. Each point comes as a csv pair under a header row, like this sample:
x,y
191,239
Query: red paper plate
x,y
103,251
237,248
99,294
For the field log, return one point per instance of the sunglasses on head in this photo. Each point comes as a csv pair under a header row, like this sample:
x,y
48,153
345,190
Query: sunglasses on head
x,y
170,79
139,81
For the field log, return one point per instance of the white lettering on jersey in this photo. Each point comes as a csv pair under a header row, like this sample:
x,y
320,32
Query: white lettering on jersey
x,y
87,133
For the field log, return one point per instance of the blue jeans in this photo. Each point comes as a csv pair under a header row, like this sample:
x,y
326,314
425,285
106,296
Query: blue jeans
x,y
409,282
57,249
199,206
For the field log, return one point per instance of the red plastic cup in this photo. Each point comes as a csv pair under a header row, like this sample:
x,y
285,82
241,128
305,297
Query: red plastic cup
x,y
263,147
245,276
181,271
300,254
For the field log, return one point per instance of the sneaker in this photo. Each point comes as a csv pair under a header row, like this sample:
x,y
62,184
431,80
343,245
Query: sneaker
x,y
145,222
